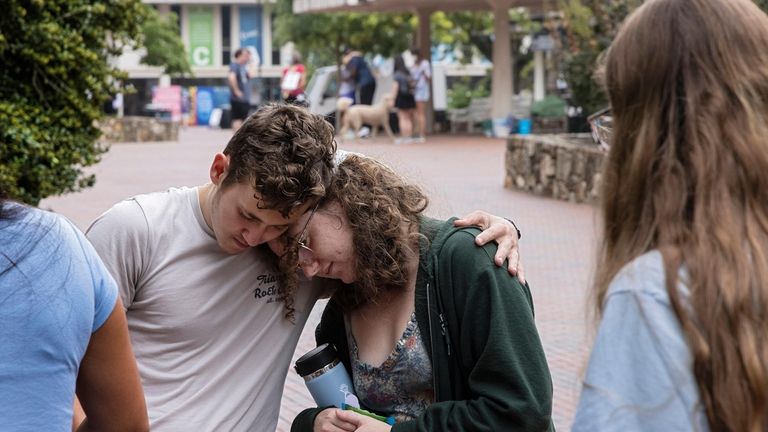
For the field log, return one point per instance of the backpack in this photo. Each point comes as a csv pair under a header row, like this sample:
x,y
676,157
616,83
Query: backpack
x,y
409,88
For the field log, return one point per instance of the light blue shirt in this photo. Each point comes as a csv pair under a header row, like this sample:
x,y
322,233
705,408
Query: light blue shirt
x,y
54,292
640,375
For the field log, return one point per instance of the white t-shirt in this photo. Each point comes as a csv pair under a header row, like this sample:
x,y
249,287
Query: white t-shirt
x,y
210,337
422,73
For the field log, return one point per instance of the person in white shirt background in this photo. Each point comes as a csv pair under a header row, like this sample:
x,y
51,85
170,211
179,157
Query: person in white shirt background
x,y
421,72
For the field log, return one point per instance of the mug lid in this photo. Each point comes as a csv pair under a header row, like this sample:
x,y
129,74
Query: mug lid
x,y
316,359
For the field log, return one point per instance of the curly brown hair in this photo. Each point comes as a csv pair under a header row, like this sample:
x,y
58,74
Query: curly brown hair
x,y
286,154
383,211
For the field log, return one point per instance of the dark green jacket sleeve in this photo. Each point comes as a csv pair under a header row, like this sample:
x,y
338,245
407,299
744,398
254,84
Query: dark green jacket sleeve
x,y
504,380
305,420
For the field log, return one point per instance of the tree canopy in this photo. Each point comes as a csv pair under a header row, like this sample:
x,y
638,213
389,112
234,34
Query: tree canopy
x,y
160,36
57,73
54,79
323,37
591,26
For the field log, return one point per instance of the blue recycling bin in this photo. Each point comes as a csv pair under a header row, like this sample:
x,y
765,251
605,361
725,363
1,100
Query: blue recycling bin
x,y
524,126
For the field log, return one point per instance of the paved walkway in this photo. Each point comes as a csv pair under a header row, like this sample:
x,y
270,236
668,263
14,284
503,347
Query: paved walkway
x,y
460,173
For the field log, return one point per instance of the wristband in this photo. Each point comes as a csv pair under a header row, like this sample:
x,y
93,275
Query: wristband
x,y
516,228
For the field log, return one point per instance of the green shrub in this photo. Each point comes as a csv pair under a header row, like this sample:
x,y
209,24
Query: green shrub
x,y
549,107
459,95
53,82
463,91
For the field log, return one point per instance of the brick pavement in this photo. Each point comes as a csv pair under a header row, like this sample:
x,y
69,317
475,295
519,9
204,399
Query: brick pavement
x,y
460,174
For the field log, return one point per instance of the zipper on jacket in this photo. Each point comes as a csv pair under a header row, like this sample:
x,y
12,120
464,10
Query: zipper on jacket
x,y
443,321
432,349
444,331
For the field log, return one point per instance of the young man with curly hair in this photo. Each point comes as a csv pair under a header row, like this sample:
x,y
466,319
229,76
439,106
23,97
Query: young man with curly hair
x,y
212,330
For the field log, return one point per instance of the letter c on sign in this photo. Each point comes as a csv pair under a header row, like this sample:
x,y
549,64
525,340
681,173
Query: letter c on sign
x,y
201,56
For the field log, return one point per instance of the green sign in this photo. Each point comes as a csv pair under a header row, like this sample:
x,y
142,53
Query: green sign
x,y
200,35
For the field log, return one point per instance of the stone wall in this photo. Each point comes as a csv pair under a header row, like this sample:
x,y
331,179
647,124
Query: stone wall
x,y
565,166
138,129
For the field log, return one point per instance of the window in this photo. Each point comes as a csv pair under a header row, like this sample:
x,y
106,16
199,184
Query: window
x,y
226,35
177,10
275,60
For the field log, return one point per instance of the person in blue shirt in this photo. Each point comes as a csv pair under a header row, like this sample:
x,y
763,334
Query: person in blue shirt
x,y
682,279
361,75
63,329
239,75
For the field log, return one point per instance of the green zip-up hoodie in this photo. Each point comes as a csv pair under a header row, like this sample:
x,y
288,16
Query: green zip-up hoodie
x,y
490,372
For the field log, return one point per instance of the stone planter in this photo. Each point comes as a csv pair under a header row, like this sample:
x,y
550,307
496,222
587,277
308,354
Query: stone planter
x,y
565,166
138,129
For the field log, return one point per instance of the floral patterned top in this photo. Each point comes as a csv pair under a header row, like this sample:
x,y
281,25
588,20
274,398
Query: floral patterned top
x,y
402,385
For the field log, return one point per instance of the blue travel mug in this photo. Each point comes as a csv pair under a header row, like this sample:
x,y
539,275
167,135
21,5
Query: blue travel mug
x,y
325,377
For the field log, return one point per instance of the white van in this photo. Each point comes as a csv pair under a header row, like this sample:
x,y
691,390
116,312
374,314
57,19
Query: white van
x,y
322,90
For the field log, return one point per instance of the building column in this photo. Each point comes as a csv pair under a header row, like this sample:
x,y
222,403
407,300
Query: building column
x,y
424,35
424,42
501,85
266,31
539,85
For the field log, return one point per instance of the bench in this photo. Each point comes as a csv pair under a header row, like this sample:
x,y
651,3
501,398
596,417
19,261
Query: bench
x,y
478,111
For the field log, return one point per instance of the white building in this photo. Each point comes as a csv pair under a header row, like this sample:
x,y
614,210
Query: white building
x,y
212,31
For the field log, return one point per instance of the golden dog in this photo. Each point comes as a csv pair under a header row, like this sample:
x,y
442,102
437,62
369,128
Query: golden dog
x,y
355,116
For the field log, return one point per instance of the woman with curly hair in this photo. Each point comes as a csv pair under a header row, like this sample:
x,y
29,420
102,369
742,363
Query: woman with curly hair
x,y
682,282
431,331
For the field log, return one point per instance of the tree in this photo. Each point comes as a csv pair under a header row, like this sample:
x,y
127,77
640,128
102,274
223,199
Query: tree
x,y
322,37
54,79
468,32
163,45
590,26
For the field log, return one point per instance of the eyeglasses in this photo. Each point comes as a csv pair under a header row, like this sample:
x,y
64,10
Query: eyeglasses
x,y
601,124
306,255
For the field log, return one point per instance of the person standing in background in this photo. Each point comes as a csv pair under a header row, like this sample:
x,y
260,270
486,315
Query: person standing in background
x,y
402,92
361,75
365,83
294,80
422,75
239,90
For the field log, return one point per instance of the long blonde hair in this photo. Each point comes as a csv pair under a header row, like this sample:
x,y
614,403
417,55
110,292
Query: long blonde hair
x,y
687,174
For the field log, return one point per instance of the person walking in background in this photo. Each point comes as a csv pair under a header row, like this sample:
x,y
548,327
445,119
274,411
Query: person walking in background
x,y
294,80
422,75
361,75
430,330
682,279
239,89
402,92
63,329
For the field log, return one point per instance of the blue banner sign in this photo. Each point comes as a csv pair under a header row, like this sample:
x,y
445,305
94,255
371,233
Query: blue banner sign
x,y
251,31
